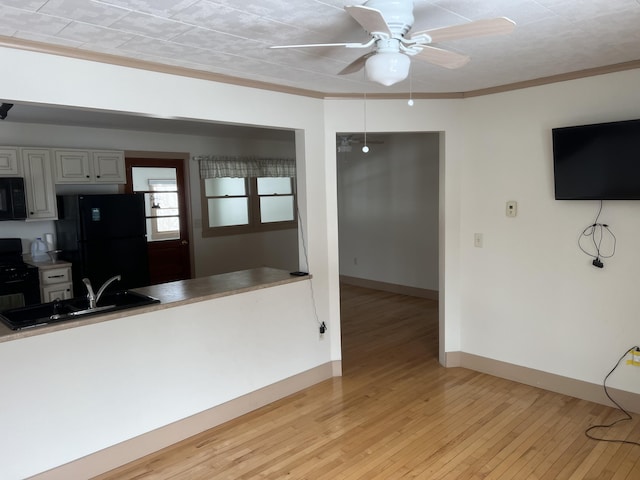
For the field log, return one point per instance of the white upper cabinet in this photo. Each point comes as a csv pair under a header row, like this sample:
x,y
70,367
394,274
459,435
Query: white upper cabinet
x,y
72,166
10,161
108,166
39,186
89,166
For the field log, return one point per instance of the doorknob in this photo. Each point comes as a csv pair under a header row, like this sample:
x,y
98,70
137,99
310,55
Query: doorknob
x,y
184,242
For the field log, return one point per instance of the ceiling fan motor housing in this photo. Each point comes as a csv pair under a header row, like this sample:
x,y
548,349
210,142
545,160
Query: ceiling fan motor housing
x,y
397,13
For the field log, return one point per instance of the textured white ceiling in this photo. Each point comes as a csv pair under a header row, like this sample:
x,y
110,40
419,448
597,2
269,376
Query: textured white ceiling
x,y
231,37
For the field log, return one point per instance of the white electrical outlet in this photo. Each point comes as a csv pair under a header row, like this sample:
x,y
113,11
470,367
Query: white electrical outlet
x,y
512,208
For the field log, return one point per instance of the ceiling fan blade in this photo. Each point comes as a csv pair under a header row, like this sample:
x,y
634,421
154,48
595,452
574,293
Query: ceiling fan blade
x,y
348,45
356,65
369,18
479,28
443,58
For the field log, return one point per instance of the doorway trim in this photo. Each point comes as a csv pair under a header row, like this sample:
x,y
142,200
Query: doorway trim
x,y
438,295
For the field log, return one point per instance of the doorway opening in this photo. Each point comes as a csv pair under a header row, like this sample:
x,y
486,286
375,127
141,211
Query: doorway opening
x,y
389,211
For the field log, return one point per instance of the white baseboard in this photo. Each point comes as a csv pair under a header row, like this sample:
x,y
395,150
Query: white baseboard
x,y
390,287
537,378
150,442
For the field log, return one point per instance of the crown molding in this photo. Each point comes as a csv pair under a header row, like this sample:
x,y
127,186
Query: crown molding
x,y
563,77
71,52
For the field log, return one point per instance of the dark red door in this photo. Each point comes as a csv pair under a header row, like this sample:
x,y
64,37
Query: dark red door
x,y
164,185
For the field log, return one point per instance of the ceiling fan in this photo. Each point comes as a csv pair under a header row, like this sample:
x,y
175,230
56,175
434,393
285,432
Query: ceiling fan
x,y
388,23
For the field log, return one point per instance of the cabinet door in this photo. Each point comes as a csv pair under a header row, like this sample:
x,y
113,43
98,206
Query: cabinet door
x,y
9,164
72,166
60,291
108,166
38,179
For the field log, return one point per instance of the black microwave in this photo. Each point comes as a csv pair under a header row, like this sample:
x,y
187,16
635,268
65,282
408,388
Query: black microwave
x,y
13,201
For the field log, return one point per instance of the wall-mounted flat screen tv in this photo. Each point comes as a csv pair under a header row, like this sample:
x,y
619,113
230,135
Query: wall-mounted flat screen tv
x,y
597,162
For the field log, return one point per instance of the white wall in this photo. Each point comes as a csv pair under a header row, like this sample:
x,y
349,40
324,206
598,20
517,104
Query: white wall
x,y
74,392
530,297
86,84
211,255
388,210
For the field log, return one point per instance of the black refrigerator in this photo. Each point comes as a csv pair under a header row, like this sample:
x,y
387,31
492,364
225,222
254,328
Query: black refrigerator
x,y
103,236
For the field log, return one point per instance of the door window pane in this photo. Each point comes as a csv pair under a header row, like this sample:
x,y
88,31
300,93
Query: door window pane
x,y
163,228
160,189
141,176
161,204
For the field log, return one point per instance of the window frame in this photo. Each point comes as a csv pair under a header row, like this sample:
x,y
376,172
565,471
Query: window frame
x,y
253,206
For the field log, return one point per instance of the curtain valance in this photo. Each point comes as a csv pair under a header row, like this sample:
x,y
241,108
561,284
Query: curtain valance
x,y
215,166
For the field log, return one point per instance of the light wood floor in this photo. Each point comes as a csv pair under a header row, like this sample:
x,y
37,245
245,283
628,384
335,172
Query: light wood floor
x,y
396,413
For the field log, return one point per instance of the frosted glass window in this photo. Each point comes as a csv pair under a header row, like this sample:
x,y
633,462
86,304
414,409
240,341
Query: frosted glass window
x,y
274,186
225,212
233,206
223,187
276,209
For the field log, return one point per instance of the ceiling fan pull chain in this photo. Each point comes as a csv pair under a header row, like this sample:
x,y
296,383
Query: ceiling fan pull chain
x,y
365,147
410,102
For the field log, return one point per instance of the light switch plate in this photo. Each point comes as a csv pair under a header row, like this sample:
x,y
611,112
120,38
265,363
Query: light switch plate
x,y
477,240
512,208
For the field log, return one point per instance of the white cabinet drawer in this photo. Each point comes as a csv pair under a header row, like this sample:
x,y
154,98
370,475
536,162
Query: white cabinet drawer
x,y
55,275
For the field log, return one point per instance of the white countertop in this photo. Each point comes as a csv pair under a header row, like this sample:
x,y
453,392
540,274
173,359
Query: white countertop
x,y
48,264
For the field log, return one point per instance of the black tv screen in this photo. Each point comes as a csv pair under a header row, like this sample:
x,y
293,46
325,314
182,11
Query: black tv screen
x,y
597,162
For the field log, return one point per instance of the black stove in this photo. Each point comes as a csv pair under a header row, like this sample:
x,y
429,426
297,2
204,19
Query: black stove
x,y
19,284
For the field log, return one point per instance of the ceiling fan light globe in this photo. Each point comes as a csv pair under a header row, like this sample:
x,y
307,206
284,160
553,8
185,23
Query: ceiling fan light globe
x,y
387,68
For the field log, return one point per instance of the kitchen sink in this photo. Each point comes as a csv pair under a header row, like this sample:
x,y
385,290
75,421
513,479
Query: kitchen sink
x,y
73,308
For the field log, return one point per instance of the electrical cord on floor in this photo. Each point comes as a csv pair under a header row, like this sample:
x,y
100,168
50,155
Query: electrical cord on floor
x,y
627,416
597,233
